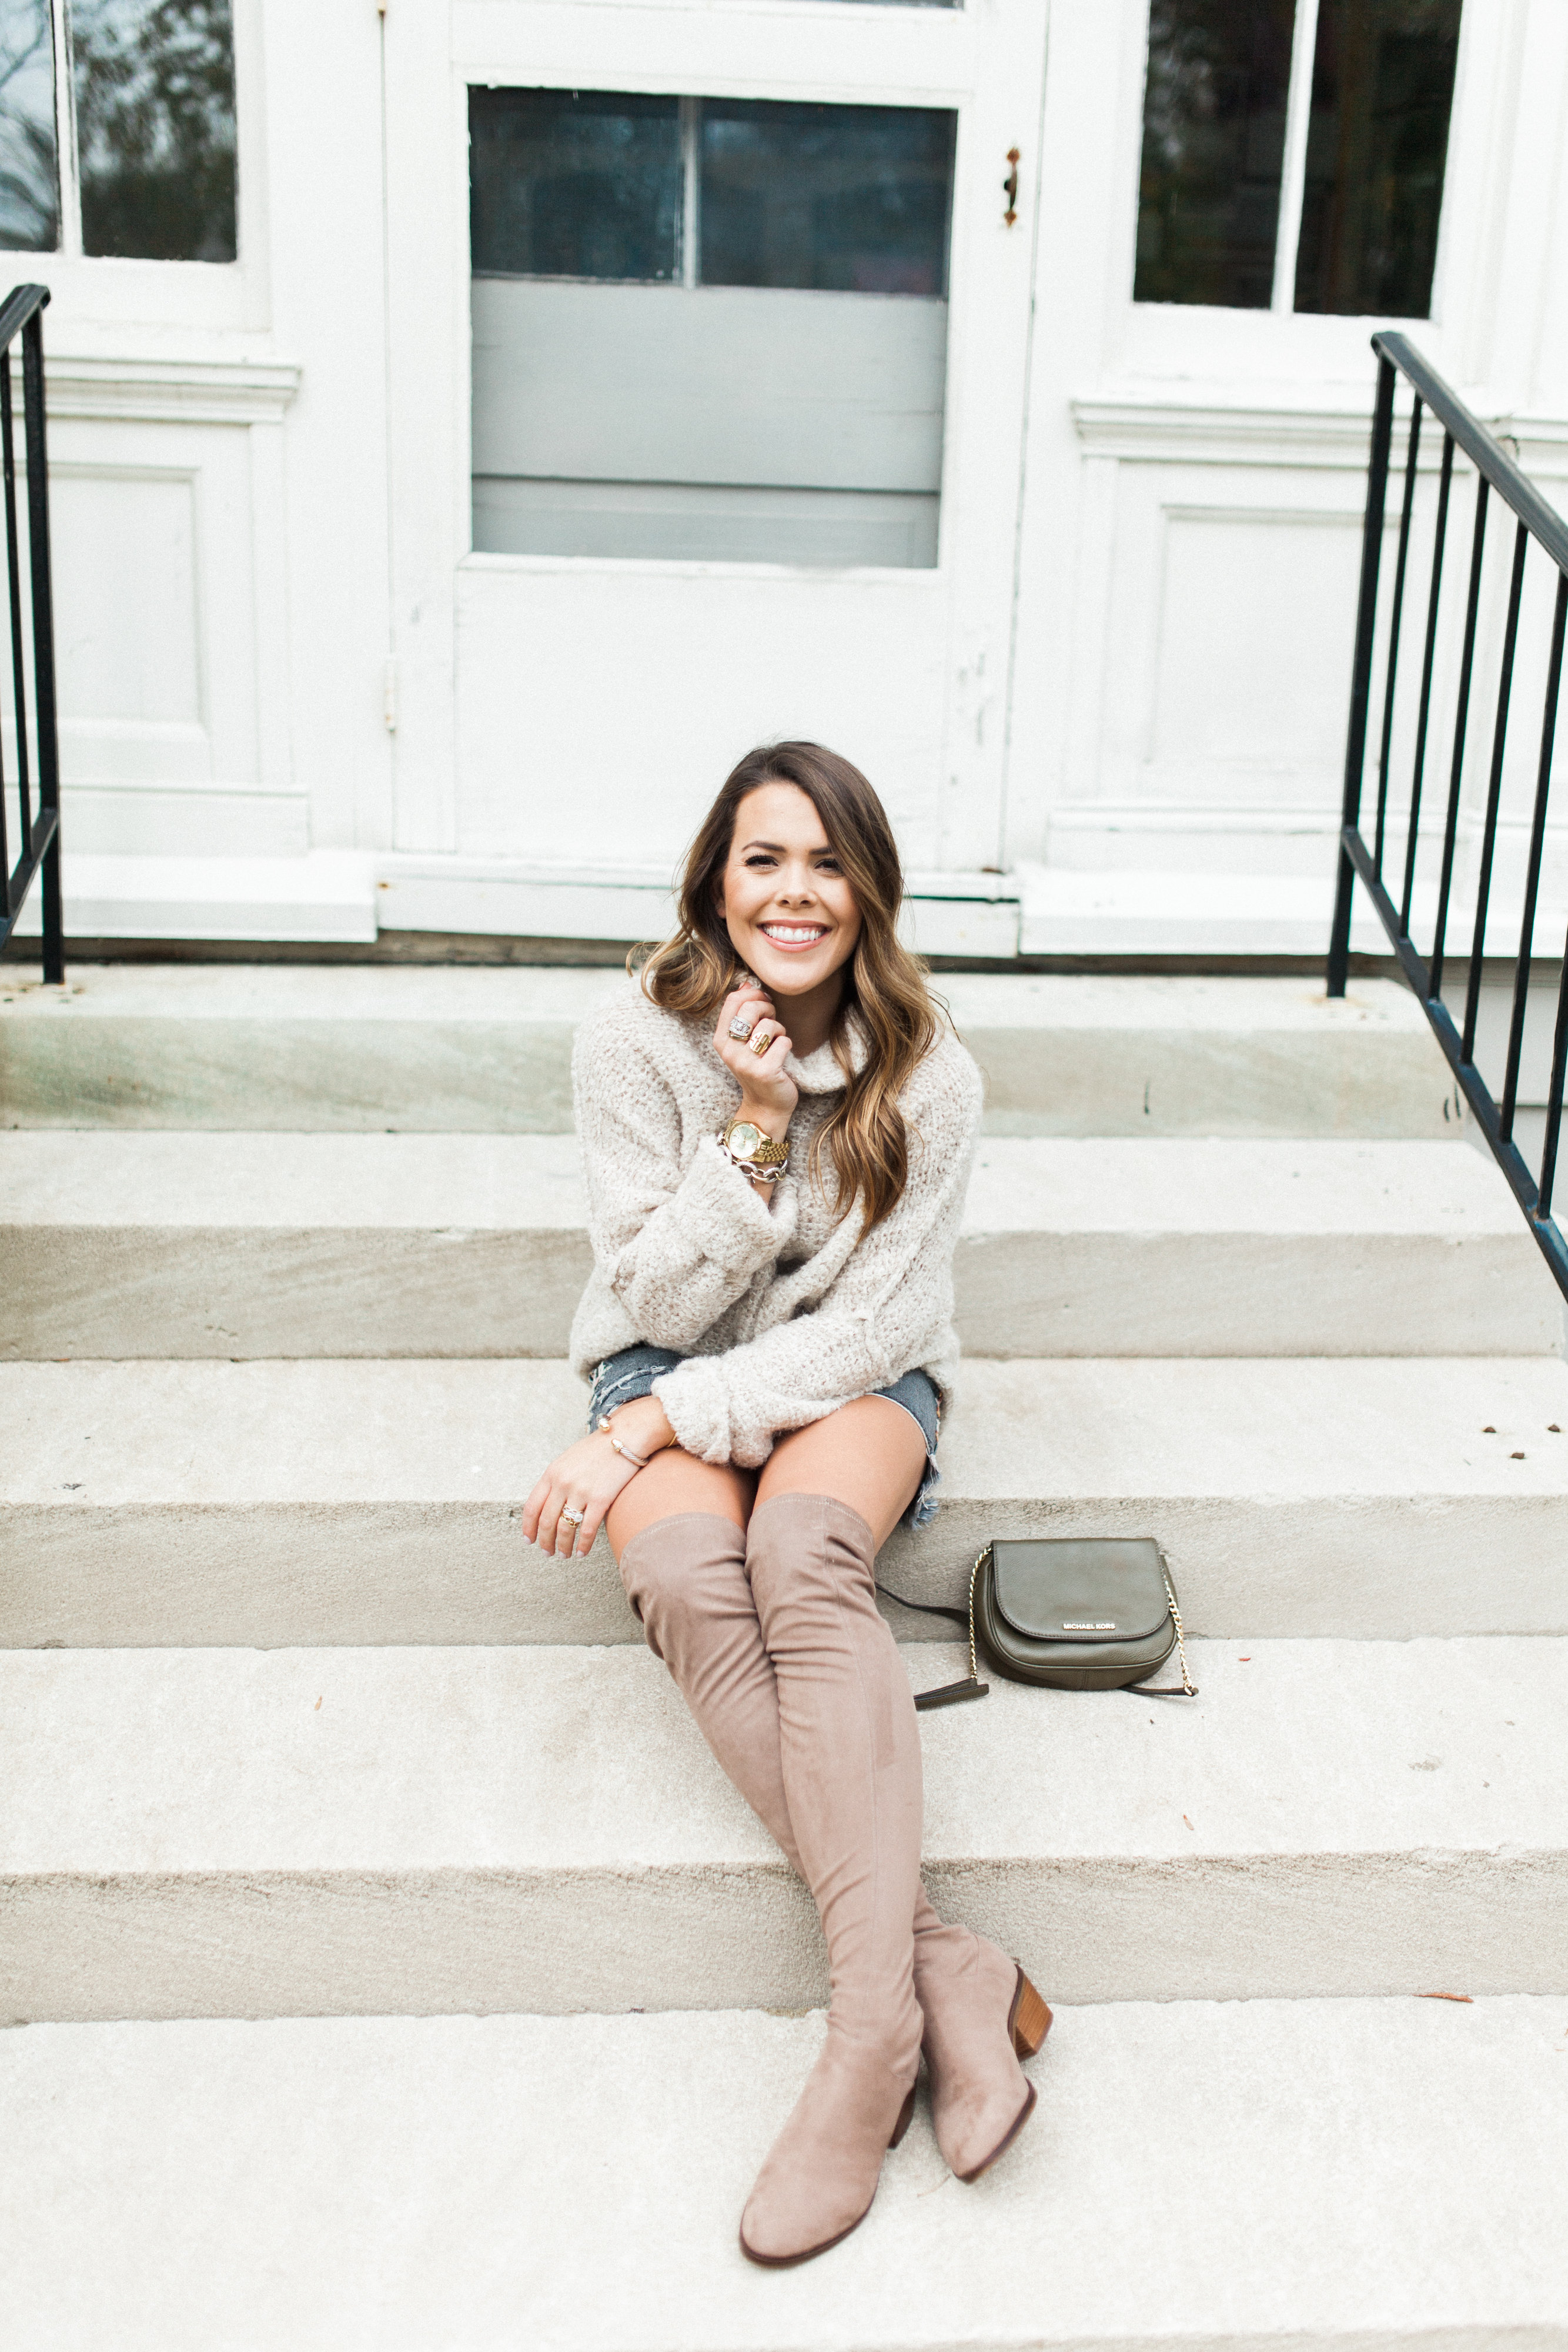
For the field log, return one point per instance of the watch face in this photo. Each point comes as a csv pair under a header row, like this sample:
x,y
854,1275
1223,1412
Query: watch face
x,y
744,1138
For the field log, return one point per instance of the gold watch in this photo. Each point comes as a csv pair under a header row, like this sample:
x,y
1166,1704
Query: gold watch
x,y
745,1143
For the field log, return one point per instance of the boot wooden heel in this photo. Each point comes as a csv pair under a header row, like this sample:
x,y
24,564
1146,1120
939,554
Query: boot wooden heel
x,y
1028,2019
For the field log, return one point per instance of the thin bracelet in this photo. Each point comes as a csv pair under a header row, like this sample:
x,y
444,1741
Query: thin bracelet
x,y
606,1430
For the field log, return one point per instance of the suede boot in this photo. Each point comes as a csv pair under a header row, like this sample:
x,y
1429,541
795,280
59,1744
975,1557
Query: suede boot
x,y
982,2015
850,1754
685,1577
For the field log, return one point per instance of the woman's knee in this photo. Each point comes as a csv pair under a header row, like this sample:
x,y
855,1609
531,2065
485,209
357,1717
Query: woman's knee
x,y
684,1576
673,1484
868,1456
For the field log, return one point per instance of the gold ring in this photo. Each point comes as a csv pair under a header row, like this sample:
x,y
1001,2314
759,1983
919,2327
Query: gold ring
x,y
761,1042
573,1519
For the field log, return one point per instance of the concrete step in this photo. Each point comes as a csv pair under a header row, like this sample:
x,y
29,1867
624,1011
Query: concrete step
x,y
433,1048
219,1244
240,1833
1292,2173
275,1503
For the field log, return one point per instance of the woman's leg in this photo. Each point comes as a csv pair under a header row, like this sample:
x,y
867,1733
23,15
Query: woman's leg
x,y
850,1754
677,1531
979,2013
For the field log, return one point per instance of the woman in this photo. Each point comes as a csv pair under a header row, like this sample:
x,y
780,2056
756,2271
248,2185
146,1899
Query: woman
x,y
774,1203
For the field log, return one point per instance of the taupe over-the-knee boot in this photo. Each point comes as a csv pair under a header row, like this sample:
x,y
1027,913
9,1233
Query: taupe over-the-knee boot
x,y
685,1577
851,1757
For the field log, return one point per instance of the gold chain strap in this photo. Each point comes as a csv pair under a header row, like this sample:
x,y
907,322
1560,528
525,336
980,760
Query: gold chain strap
x,y
980,1560
1187,1682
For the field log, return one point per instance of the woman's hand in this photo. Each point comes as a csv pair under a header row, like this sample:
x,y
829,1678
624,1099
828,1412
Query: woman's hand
x,y
766,1097
588,1476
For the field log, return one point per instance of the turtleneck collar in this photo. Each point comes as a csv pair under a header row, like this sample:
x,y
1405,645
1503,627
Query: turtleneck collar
x,y
818,1073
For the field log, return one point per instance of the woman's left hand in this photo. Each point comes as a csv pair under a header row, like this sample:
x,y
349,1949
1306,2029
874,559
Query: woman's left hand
x,y
587,1478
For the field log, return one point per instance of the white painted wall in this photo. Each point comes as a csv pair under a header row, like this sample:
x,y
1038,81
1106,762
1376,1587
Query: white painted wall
x,y
1128,665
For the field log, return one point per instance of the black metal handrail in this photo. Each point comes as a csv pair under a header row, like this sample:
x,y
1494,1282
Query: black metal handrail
x,y
32,624
1534,520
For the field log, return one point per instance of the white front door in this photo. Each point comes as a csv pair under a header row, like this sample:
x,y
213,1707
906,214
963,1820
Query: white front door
x,y
707,364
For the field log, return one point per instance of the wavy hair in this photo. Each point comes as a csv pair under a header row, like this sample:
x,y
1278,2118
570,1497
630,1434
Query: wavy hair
x,y
885,985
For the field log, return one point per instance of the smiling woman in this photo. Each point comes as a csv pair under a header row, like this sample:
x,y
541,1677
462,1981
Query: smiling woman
x,y
777,1134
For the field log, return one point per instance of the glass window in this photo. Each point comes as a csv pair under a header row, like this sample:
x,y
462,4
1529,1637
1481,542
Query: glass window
x,y
1383,82
154,83
1214,142
29,175
851,199
575,183
1370,83
708,329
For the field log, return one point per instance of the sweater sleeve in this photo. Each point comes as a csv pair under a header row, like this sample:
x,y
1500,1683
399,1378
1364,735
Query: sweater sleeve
x,y
676,1245
886,1310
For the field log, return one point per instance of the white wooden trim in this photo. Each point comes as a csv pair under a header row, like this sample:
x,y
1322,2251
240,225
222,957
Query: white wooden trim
x,y
186,391
1293,161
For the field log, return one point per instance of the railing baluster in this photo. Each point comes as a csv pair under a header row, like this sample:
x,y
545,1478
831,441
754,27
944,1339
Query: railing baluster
x,y
42,617
1494,789
14,575
1392,670
38,827
1497,476
1554,1097
1532,871
1462,723
1360,669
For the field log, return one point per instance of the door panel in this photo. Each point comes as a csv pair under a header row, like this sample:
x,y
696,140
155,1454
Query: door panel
x,y
705,515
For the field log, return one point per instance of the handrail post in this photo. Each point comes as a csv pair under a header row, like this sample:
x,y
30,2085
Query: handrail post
x,y
1361,671
43,615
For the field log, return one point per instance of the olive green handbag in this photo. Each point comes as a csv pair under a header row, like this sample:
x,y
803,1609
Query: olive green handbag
x,y
1073,1613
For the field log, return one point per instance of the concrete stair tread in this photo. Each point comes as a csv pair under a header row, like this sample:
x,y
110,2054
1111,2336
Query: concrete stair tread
x,y
520,1759
275,1503
240,1833
454,1183
1288,2173
143,1245
86,1435
280,1046
323,994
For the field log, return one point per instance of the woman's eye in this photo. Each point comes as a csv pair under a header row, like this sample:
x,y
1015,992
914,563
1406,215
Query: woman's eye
x,y
759,859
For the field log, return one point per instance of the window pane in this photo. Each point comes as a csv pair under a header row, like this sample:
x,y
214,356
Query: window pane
x,y
848,199
1382,81
29,179
155,128
574,183
1214,145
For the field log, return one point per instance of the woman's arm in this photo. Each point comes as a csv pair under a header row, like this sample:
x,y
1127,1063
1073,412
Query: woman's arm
x,y
893,1294
677,1246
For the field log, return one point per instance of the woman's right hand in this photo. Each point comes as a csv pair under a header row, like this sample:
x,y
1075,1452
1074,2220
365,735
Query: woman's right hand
x,y
768,1097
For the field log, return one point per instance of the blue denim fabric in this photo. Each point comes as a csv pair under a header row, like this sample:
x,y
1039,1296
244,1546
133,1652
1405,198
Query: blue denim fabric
x,y
631,1373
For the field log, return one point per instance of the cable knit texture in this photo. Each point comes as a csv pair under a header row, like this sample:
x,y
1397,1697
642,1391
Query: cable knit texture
x,y
783,1311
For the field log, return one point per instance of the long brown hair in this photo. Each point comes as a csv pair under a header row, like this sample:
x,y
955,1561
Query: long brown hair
x,y
885,985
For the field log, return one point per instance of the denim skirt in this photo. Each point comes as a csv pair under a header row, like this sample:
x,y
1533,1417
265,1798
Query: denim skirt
x,y
633,1372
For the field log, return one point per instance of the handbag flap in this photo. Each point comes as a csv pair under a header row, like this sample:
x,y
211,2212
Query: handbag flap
x,y
1080,1589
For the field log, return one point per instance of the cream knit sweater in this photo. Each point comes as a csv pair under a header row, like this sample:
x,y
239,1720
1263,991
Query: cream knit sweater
x,y
782,1311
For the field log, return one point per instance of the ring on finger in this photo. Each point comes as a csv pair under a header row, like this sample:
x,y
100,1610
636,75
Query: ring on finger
x,y
573,1519
761,1042
742,1027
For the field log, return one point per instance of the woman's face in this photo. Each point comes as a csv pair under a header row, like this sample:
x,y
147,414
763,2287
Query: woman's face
x,y
791,913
